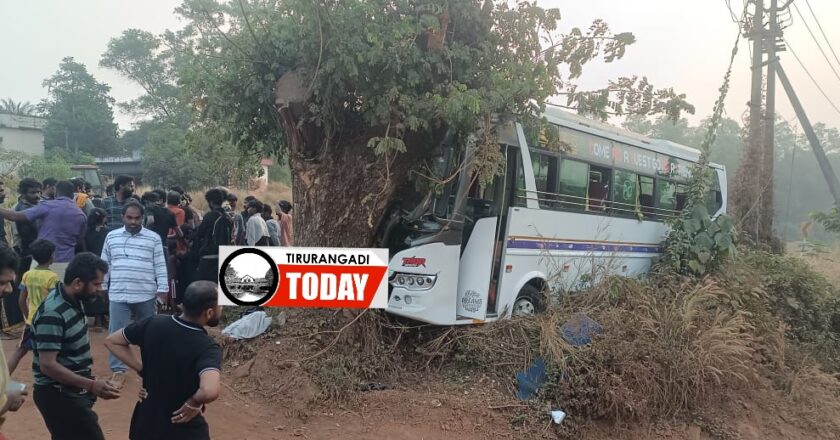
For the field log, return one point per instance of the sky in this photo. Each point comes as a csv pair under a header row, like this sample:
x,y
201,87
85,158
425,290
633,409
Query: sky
x,y
679,44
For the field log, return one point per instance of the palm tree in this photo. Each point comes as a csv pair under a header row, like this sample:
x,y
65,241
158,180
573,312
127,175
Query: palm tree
x,y
17,108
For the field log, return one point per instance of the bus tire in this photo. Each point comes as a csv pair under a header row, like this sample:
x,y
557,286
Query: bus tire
x,y
530,301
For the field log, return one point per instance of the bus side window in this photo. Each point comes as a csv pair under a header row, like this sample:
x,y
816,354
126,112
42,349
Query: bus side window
x,y
681,197
573,184
646,196
665,199
545,169
598,194
625,193
714,198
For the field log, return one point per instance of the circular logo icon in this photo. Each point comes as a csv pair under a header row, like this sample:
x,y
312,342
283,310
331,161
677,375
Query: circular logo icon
x,y
249,277
471,301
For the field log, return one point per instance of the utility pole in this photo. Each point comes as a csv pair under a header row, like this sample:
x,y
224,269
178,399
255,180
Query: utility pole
x,y
748,205
752,201
769,126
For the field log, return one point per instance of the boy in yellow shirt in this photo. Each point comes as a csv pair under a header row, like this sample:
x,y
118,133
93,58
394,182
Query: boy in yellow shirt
x,y
35,285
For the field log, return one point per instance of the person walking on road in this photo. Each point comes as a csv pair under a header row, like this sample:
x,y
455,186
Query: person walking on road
x,y
180,365
138,274
65,389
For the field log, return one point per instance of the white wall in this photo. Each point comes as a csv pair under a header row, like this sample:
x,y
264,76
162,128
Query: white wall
x,y
22,133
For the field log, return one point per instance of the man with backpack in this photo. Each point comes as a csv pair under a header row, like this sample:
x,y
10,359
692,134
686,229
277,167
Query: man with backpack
x,y
215,230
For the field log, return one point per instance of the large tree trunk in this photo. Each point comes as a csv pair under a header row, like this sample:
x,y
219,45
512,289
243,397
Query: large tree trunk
x,y
342,190
340,197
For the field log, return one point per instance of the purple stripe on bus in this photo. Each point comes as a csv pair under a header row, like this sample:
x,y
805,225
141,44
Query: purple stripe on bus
x,y
569,246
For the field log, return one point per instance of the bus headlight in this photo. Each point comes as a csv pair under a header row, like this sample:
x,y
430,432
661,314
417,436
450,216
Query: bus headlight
x,y
411,281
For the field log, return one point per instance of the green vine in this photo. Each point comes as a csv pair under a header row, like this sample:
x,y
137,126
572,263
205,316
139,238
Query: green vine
x,y
697,244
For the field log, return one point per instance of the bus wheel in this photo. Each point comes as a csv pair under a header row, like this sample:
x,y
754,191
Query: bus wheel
x,y
528,302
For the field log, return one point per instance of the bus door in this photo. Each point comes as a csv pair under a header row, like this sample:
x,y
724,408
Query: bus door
x,y
483,242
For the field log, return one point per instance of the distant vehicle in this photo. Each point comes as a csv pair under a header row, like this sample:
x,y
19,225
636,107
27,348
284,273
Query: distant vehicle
x,y
91,175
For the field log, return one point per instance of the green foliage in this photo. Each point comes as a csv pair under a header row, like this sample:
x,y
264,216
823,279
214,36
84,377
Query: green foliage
x,y
137,55
167,161
11,107
41,167
804,299
698,245
280,172
192,159
829,220
415,67
69,157
78,111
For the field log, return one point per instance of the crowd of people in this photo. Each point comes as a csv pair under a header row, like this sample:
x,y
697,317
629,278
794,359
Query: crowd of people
x,y
75,257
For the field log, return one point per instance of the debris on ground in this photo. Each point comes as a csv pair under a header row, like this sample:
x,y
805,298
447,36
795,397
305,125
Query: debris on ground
x,y
374,386
531,380
557,416
579,329
248,326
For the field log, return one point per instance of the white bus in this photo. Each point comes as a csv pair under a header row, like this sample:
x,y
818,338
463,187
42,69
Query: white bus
x,y
554,221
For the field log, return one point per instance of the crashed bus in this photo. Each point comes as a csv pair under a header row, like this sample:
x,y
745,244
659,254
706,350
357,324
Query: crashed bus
x,y
552,221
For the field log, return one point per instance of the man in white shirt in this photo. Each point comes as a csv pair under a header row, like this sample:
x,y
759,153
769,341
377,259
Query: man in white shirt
x,y
256,231
137,275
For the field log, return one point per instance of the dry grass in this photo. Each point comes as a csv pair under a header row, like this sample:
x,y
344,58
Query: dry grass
x,y
664,351
671,347
826,263
814,397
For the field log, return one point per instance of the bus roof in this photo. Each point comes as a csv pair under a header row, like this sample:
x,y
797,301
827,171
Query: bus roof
x,y
563,118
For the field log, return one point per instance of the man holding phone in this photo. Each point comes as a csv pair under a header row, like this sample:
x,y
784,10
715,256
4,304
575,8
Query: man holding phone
x,y
65,389
11,394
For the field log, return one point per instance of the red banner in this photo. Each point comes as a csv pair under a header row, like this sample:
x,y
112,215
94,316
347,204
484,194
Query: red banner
x,y
322,286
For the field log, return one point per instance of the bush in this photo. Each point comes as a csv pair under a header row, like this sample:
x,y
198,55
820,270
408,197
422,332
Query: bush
x,y
41,167
674,345
683,348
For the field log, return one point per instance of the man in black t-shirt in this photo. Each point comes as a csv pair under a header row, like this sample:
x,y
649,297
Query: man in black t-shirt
x,y
180,366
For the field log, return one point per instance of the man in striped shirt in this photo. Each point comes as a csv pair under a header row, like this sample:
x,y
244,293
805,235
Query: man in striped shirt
x,y
137,275
65,389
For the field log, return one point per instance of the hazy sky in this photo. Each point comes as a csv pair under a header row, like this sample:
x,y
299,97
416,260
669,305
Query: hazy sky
x,y
679,44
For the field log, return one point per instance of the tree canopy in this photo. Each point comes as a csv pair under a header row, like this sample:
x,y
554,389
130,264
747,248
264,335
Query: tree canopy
x,y
138,56
79,111
8,105
358,93
413,67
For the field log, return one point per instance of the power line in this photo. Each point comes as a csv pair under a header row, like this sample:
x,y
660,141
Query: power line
x,y
833,52
790,49
813,37
735,18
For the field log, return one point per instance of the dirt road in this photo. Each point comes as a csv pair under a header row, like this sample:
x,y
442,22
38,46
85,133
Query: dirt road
x,y
399,415
230,418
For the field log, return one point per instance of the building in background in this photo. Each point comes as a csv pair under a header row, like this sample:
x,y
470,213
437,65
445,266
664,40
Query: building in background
x,y
110,167
261,182
22,133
